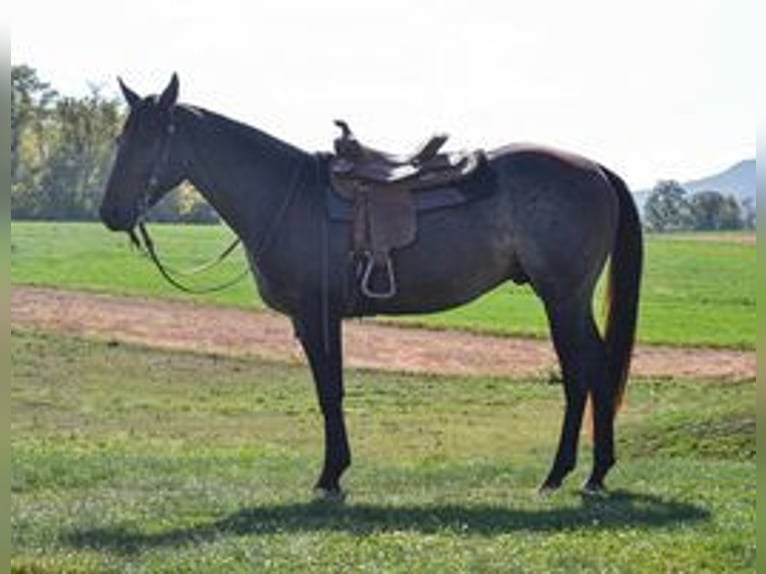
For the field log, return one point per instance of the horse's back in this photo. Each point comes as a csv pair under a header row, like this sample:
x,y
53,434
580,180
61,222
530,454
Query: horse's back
x,y
529,164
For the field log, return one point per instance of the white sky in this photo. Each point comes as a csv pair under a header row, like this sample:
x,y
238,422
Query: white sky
x,y
652,88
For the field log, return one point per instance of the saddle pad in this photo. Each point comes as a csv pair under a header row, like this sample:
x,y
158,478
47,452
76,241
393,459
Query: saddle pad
x,y
342,209
480,184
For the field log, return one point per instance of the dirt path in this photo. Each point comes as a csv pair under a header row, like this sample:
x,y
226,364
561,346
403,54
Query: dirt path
x,y
236,332
742,237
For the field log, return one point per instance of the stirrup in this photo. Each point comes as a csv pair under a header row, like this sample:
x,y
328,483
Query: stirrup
x,y
366,284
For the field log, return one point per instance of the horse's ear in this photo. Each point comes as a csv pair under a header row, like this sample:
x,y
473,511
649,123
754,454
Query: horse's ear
x,y
130,96
169,97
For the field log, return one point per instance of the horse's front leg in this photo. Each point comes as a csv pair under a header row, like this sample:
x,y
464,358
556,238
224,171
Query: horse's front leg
x,y
321,339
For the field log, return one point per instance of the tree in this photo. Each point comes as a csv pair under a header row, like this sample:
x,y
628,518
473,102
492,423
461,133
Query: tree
x,y
31,104
712,210
667,208
61,149
80,155
184,204
748,213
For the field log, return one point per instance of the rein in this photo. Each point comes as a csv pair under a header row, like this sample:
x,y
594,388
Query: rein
x,y
143,241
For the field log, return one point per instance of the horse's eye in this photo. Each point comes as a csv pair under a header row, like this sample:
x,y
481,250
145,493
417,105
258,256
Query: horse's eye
x,y
118,140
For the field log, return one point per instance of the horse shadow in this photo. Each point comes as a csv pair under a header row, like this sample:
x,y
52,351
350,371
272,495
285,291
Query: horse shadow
x,y
615,511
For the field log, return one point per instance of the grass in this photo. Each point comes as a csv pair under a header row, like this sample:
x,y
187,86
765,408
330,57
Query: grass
x,y
695,292
87,256
127,459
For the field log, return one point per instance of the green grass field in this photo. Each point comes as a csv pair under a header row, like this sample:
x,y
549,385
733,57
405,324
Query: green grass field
x,y
126,459
695,292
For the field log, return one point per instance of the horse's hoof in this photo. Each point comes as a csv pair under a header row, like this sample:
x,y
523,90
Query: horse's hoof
x,y
329,495
548,488
591,488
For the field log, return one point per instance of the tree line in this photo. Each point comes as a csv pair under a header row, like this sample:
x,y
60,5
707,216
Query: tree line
x,y
670,208
61,150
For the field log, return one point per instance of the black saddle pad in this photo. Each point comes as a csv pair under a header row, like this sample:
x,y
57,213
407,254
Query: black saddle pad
x,y
479,185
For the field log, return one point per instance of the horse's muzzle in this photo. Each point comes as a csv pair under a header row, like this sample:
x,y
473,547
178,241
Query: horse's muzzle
x,y
118,218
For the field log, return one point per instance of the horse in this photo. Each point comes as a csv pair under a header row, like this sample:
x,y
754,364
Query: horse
x,y
552,220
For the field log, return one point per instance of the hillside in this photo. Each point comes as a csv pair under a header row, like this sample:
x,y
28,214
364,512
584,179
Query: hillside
x,y
738,180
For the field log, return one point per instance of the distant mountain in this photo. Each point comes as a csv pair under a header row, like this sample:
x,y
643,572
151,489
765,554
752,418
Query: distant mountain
x,y
738,180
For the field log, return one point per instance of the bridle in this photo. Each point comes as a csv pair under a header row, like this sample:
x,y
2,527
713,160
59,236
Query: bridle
x,y
142,240
144,243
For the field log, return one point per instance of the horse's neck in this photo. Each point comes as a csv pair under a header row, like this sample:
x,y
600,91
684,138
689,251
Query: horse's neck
x,y
242,172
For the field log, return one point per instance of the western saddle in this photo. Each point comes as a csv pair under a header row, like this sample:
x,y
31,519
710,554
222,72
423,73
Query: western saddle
x,y
381,188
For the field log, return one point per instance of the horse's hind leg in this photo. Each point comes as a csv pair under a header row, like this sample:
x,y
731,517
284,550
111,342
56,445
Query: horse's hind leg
x,y
602,396
582,357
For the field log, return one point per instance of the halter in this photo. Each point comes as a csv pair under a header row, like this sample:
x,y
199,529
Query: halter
x,y
154,178
160,164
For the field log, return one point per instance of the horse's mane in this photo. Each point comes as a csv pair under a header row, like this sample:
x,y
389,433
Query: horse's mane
x,y
245,134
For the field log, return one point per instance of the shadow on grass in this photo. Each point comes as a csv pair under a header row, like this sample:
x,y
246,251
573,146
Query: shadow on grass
x,y
620,509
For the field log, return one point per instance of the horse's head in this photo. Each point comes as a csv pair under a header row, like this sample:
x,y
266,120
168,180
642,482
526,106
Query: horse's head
x,y
147,164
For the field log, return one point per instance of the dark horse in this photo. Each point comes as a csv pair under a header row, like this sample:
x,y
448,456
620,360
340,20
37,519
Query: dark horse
x,y
552,220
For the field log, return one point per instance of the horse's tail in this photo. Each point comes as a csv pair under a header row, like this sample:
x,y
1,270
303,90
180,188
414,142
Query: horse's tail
x,y
623,289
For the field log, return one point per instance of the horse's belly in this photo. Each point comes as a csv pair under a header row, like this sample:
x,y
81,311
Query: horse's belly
x,y
449,278
459,255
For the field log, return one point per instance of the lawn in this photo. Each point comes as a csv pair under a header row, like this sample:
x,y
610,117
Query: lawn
x,y
695,292
127,459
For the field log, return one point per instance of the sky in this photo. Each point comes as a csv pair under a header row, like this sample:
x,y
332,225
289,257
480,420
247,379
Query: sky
x,y
654,89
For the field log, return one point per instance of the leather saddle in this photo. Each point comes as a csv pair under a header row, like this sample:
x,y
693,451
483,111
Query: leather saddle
x,y
384,190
